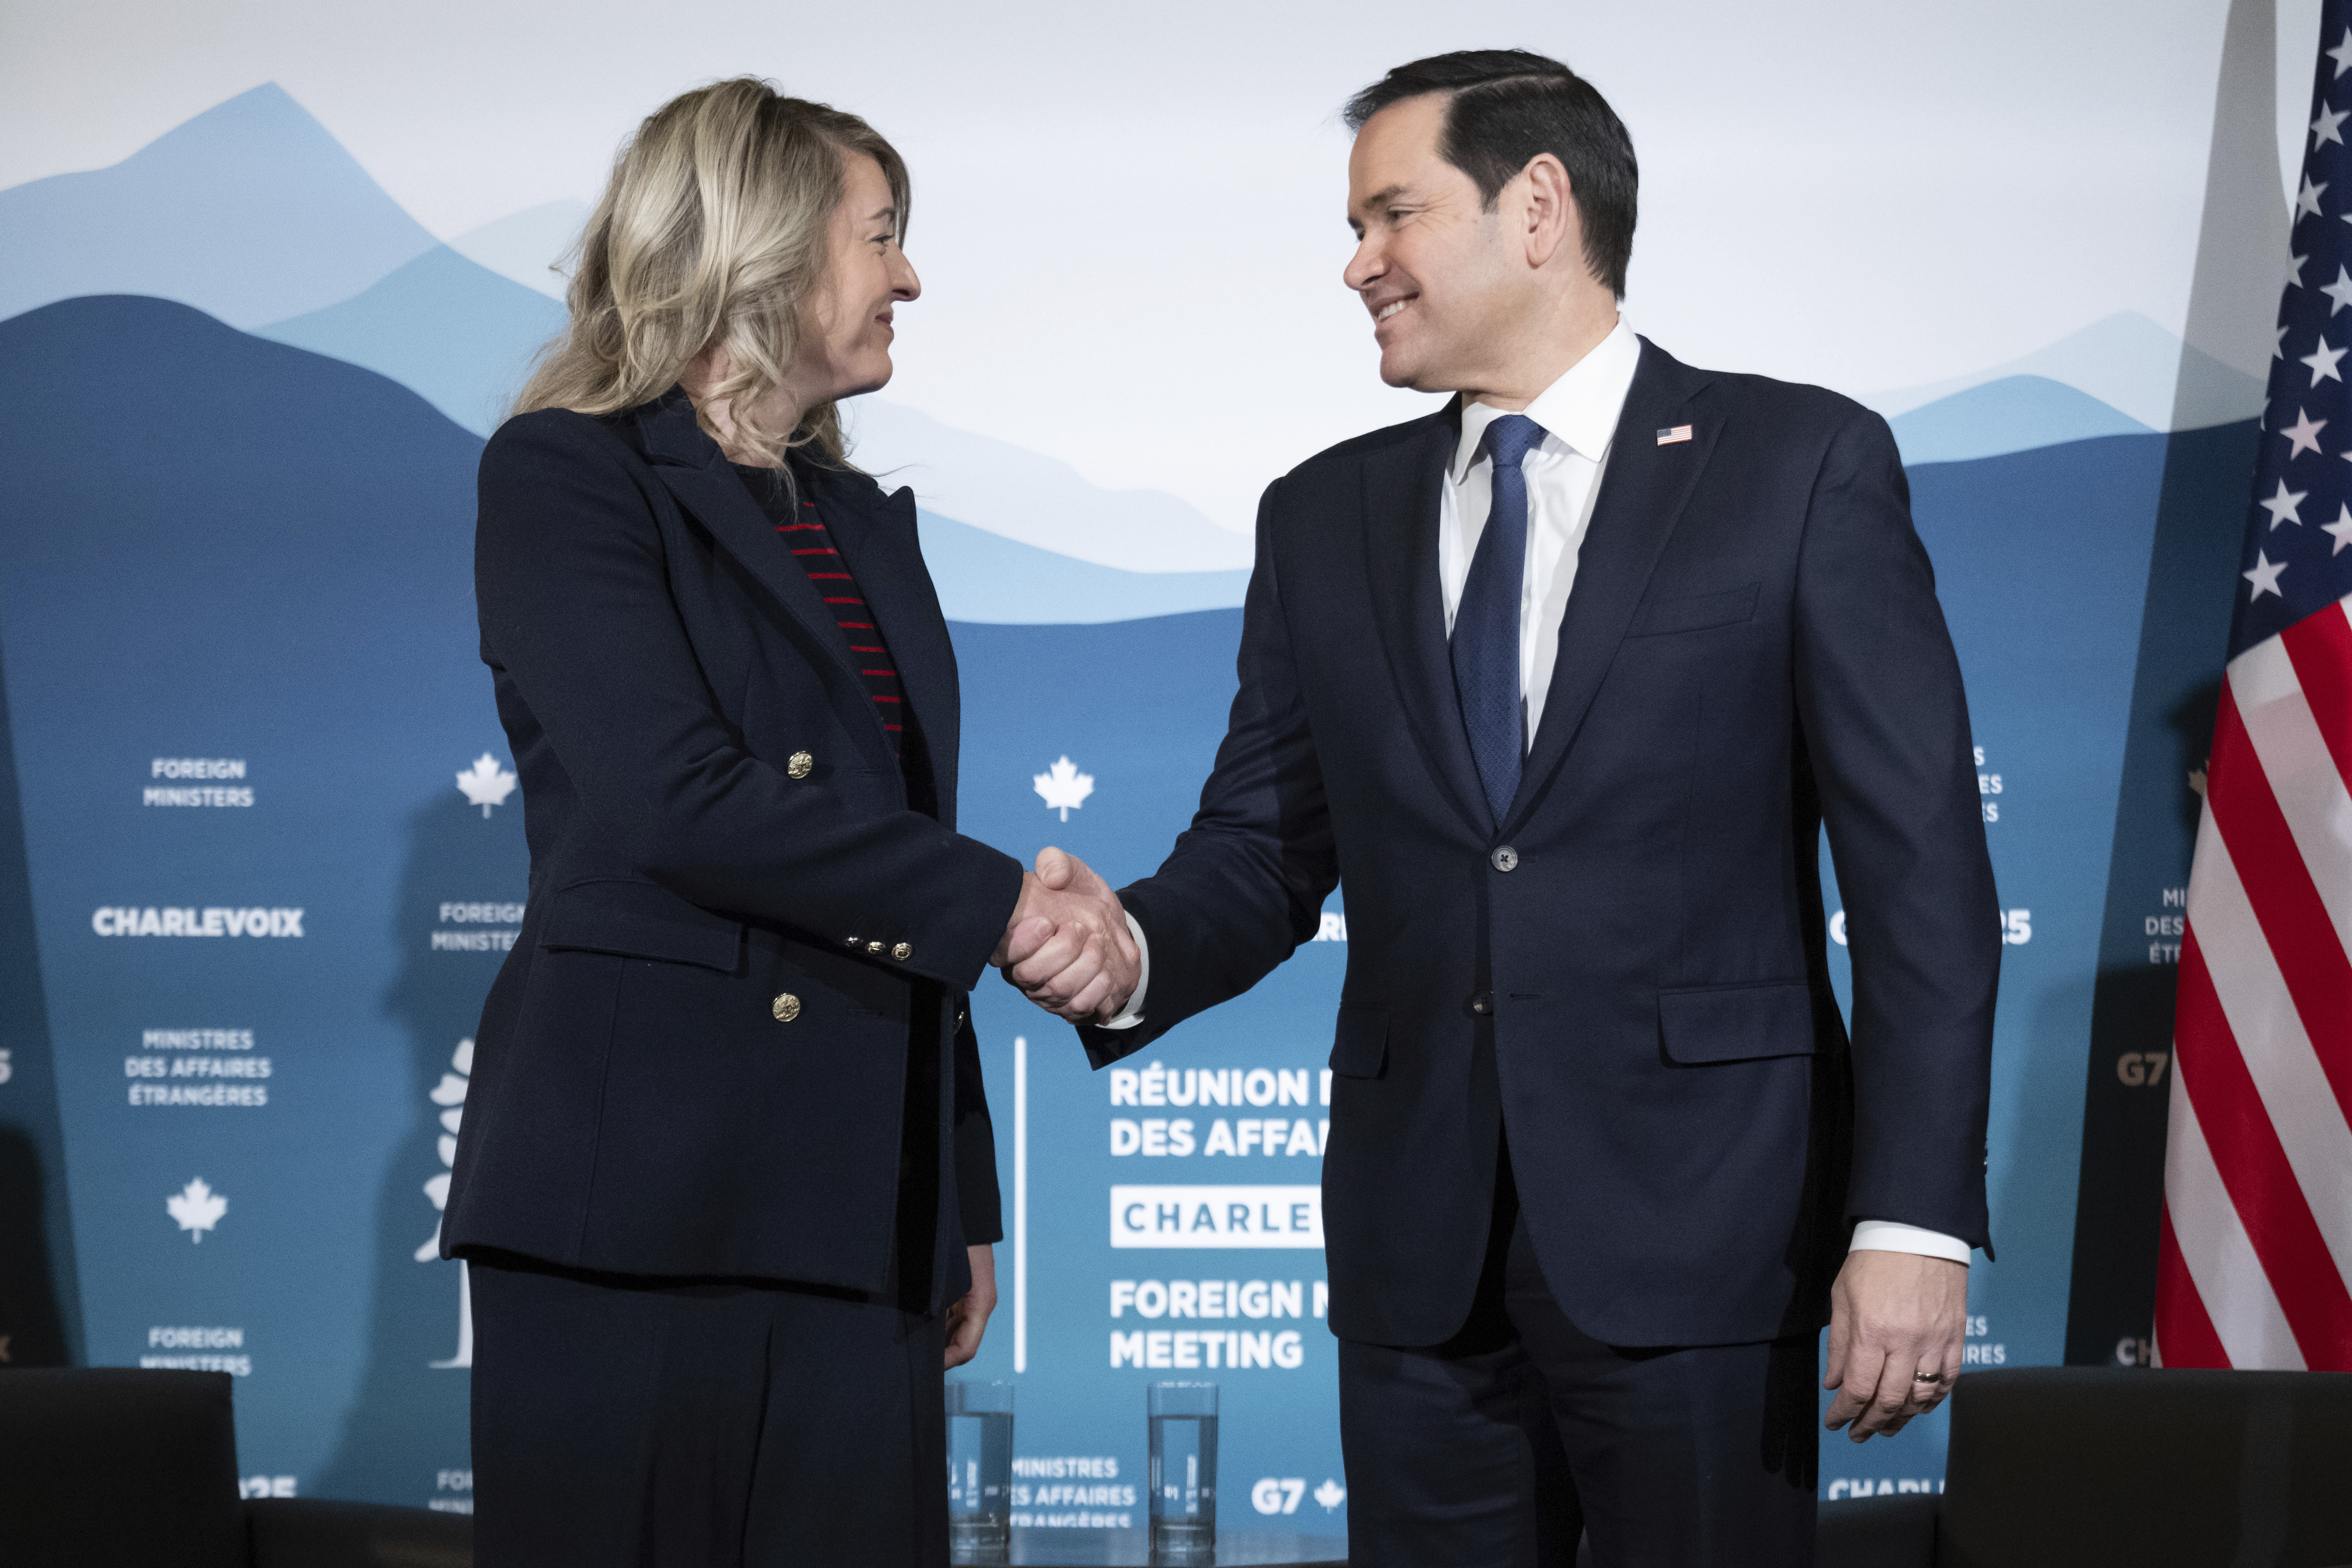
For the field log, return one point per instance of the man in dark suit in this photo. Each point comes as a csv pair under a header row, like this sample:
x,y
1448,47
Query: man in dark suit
x,y
1565,681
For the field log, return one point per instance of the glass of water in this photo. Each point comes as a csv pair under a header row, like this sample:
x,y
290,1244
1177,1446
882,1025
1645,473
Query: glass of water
x,y
1184,1472
979,1472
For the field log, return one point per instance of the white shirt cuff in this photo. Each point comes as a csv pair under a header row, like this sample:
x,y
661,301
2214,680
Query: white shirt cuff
x,y
1132,1014
1887,1235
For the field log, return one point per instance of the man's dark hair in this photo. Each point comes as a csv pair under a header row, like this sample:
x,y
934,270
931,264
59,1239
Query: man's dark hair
x,y
1504,107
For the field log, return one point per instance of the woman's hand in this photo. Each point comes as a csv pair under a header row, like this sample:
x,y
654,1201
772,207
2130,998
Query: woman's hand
x,y
1066,946
968,1318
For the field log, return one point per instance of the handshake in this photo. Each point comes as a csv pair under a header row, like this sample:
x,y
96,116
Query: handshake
x,y
1066,946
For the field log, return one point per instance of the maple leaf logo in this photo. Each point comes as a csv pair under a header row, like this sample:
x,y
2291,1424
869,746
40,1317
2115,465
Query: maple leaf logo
x,y
1330,1494
197,1207
1063,786
486,783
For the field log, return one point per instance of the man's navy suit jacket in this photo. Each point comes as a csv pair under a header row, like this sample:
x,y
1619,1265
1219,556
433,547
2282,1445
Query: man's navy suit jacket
x,y
640,1104
1638,992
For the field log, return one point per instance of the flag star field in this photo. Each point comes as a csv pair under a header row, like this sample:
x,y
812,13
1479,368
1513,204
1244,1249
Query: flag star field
x,y
2295,562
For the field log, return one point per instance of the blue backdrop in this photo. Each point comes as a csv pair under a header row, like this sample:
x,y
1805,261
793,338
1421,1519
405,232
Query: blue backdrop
x,y
260,854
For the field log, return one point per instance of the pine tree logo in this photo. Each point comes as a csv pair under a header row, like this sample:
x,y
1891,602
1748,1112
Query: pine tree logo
x,y
450,1095
197,1208
1063,786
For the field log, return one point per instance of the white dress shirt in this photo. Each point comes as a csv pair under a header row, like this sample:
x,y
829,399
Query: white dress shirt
x,y
1579,414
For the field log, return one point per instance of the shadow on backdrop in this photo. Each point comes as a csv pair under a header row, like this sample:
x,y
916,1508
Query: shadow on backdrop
x,y
32,1326
2184,635
40,1307
414,1393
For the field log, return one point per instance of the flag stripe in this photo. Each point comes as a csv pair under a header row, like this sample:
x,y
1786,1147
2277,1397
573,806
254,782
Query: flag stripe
x,y
2269,1036
2300,767
2255,1173
2216,1257
2294,919
2185,1336
2258,1177
2321,649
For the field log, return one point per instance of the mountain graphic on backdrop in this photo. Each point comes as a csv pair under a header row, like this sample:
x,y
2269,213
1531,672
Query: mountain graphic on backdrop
x,y
1039,500
2124,360
2015,414
456,333
250,212
274,490
528,246
254,214
284,473
981,576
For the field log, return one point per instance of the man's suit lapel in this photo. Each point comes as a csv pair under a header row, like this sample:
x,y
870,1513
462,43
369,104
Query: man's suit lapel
x,y
876,536
1401,503
693,469
1643,492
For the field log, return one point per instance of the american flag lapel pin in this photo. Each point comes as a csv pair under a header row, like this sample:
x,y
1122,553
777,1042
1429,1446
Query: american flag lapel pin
x,y
1679,433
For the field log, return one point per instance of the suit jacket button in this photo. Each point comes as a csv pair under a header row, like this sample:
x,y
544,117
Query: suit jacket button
x,y
903,952
799,765
1482,1001
1505,858
874,948
786,1007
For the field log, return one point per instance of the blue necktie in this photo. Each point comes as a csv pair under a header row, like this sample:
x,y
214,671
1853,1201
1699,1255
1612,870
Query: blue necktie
x,y
1487,622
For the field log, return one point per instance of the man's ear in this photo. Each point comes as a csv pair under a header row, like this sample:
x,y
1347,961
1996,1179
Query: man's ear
x,y
1551,215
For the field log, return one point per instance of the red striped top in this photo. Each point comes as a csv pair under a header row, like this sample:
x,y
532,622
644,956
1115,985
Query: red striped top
x,y
804,535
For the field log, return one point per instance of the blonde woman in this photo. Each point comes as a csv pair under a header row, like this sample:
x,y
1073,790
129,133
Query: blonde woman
x,y
725,1179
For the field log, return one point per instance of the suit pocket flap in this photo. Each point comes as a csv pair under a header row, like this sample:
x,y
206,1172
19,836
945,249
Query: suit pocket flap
x,y
1361,1046
638,920
1736,1023
1695,612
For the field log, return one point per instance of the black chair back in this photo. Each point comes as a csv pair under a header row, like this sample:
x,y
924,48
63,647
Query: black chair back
x,y
119,1467
2085,1465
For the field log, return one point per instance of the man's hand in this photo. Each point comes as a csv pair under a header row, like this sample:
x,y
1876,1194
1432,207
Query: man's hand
x,y
1895,1319
1067,947
967,1316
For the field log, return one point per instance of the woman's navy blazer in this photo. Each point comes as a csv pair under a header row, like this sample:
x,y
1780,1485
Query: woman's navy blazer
x,y
747,934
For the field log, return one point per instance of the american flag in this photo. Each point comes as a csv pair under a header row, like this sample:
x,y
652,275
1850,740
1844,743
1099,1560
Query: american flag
x,y
2255,1267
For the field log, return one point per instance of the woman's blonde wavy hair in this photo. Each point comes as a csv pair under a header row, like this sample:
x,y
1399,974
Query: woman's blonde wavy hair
x,y
714,231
